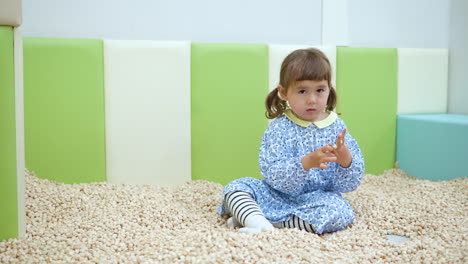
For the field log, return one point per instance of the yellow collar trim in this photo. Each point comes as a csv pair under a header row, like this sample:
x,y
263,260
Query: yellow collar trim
x,y
328,121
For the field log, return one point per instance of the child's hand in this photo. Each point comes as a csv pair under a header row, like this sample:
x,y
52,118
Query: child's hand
x,y
319,158
341,151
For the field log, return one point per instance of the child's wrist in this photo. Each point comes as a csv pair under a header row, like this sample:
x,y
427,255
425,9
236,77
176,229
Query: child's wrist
x,y
305,163
346,164
308,163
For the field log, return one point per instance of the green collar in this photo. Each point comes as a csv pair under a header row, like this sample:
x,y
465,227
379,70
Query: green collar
x,y
328,121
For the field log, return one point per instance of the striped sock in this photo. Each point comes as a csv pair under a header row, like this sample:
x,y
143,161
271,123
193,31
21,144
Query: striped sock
x,y
296,222
246,211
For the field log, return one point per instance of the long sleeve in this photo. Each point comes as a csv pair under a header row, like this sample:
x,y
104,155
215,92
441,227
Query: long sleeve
x,y
348,179
280,163
285,143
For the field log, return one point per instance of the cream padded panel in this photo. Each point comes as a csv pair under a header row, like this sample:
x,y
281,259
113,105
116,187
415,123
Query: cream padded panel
x,y
147,91
422,81
20,151
10,13
277,53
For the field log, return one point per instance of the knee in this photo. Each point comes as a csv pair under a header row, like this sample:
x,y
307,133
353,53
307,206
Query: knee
x,y
345,214
242,184
341,216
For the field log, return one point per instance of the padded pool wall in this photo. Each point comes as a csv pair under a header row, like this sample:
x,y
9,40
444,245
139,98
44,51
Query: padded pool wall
x,y
229,86
367,98
64,109
8,151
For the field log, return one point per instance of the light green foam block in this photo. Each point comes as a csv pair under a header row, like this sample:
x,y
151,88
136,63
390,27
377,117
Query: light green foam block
x,y
229,86
367,98
8,177
64,109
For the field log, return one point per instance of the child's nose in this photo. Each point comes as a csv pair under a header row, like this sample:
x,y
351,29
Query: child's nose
x,y
311,99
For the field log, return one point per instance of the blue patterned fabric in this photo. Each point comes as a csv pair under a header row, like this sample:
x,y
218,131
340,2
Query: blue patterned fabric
x,y
287,189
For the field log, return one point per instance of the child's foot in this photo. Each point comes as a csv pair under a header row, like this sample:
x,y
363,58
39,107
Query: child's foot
x,y
233,223
256,224
251,230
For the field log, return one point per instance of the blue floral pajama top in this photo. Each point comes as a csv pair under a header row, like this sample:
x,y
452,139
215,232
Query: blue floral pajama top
x,y
288,189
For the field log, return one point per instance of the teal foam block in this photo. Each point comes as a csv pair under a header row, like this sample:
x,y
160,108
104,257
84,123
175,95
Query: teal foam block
x,y
433,146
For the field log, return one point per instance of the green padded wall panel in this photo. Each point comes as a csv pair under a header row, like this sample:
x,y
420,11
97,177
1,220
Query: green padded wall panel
x,y
367,99
229,86
8,177
64,109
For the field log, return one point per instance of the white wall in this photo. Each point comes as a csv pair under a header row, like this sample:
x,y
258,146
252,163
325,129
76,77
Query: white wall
x,y
240,21
370,23
458,58
399,23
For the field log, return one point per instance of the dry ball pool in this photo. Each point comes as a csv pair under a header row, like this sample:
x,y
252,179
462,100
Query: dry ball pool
x,y
117,223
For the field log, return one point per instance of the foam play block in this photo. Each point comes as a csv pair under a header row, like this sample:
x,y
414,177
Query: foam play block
x,y
64,109
229,86
367,100
8,162
433,146
422,74
147,88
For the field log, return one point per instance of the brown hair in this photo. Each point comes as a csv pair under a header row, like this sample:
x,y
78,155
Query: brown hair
x,y
301,65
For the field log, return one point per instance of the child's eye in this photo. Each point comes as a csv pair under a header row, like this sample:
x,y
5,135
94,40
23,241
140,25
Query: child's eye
x,y
321,90
302,91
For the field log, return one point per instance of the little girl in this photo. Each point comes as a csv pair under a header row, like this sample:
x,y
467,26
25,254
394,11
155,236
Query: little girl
x,y
306,157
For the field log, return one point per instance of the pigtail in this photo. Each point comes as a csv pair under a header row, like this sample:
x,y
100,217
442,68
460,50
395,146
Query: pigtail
x,y
332,98
274,105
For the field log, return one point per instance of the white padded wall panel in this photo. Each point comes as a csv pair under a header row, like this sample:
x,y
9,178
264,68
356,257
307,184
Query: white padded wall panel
x,y
277,53
422,81
147,91
20,151
458,58
330,52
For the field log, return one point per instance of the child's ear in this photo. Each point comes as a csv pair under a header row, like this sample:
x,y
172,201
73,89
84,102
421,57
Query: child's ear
x,y
282,93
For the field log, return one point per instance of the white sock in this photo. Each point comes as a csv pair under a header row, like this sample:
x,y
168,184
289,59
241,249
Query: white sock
x,y
256,224
246,212
233,223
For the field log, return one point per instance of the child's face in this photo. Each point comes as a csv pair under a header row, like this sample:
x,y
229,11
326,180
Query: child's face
x,y
307,99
